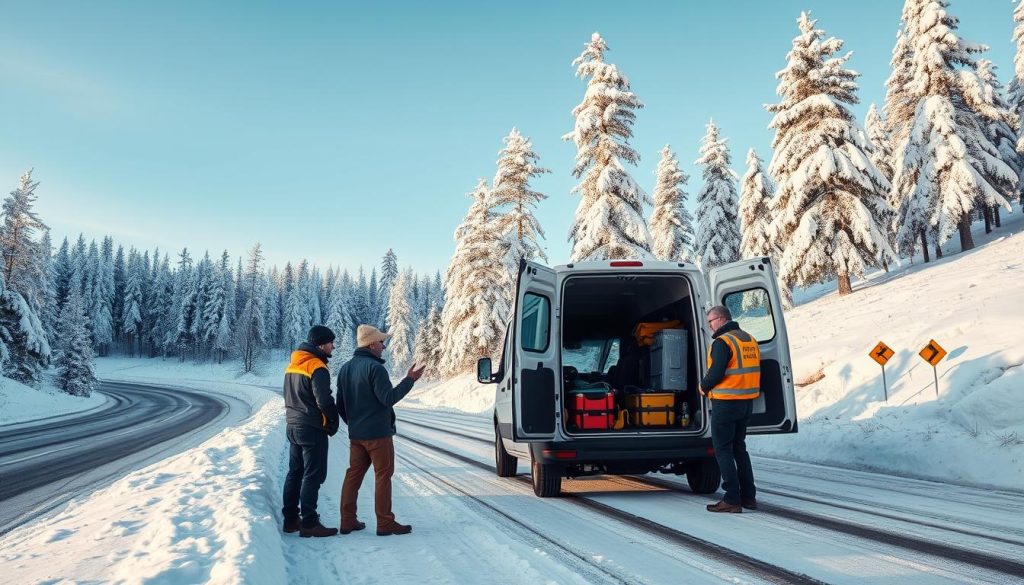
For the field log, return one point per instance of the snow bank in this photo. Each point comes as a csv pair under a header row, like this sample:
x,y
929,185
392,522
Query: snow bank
x,y
20,403
462,393
973,432
205,516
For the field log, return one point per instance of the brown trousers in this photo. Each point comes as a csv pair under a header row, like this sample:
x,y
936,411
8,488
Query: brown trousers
x,y
361,453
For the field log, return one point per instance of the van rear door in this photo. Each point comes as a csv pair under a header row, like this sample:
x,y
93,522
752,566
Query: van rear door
x,y
537,369
749,290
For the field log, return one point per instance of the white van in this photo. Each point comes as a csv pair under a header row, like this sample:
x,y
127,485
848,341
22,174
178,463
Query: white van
x,y
573,327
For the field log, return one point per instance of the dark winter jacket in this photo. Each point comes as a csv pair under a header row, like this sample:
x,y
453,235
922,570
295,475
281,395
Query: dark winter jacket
x,y
307,391
720,354
366,397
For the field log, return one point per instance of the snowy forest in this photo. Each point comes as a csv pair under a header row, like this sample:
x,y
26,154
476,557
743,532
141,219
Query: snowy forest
x,y
835,199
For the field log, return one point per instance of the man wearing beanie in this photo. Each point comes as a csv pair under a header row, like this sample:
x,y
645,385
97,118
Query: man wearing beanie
x,y
311,416
366,399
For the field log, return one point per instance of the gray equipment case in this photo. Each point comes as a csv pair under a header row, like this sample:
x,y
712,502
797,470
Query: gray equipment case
x,y
668,359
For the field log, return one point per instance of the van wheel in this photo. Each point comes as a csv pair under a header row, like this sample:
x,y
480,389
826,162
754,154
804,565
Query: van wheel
x,y
703,476
505,464
547,479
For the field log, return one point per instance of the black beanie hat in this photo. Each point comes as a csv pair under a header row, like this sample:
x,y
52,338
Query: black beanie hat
x,y
319,335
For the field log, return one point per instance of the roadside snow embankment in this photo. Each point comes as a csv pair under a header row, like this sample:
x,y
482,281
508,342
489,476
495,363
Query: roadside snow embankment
x,y
20,403
462,394
973,431
205,516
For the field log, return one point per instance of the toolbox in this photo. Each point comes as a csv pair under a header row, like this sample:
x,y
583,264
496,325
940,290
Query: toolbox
x,y
651,409
667,358
592,409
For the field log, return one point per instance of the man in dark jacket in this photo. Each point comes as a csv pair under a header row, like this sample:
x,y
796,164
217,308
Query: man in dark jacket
x,y
311,417
732,383
366,399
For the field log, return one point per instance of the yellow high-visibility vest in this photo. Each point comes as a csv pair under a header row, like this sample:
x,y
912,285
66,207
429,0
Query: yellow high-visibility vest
x,y
742,379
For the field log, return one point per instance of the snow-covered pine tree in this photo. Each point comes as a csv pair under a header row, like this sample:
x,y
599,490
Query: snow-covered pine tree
x,y
120,280
251,332
296,313
428,343
20,244
514,201
202,322
400,346
718,227
439,294
829,193
942,164
218,317
62,272
609,220
473,320
1016,88
374,301
360,302
881,145
133,303
79,268
160,311
1003,134
74,355
25,349
756,194
49,310
388,277
183,310
671,222
314,284
340,322
98,299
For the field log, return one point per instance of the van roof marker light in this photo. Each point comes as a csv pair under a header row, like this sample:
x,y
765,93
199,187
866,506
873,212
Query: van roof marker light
x,y
625,263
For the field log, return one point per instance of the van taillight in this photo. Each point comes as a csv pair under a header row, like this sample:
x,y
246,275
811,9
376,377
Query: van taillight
x,y
560,454
626,263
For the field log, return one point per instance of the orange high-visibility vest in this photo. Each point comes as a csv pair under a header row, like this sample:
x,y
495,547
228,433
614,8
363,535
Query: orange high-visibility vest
x,y
742,379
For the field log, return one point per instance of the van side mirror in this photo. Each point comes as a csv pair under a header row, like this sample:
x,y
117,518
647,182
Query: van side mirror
x,y
483,371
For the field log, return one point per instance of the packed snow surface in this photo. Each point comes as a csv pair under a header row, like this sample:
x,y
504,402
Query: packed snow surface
x,y
20,403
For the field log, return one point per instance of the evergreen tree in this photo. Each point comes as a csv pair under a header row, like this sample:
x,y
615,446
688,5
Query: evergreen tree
x,y
23,269
1016,97
131,319
74,355
373,301
161,306
79,268
609,221
251,331
120,280
360,307
340,321
943,163
756,195
100,298
62,272
400,347
473,320
514,201
718,228
388,276
273,308
830,195
25,351
428,343
881,145
218,313
49,310
184,308
296,313
314,284
1002,132
671,222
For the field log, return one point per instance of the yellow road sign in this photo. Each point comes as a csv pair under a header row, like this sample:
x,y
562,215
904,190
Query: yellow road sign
x,y
932,353
882,353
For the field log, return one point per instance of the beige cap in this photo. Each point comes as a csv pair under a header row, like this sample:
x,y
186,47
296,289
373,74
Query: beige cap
x,y
367,334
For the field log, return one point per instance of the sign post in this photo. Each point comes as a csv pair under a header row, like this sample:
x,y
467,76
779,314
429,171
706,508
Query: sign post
x,y
933,354
881,354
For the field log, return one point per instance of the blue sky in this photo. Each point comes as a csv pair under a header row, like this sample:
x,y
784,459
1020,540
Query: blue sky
x,y
333,131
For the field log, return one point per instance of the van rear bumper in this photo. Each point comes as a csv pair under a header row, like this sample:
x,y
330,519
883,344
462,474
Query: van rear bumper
x,y
650,450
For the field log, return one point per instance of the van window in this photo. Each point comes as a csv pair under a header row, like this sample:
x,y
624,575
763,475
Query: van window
x,y
536,322
585,356
613,356
752,311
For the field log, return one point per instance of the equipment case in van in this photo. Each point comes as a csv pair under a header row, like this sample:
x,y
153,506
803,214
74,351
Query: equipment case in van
x,y
668,359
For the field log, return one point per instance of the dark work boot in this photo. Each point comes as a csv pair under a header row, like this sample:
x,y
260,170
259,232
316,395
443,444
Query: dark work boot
x,y
723,506
395,528
749,503
317,530
291,525
345,529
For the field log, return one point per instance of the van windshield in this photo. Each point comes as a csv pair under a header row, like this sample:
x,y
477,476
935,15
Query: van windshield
x,y
587,355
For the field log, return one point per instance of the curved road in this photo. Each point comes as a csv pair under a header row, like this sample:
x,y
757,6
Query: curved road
x,y
137,417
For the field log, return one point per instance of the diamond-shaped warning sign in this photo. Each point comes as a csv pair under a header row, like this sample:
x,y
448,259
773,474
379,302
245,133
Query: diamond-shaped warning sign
x,y
932,353
882,353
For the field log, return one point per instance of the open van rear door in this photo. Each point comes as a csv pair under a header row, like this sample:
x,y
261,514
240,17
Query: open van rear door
x,y
537,369
749,290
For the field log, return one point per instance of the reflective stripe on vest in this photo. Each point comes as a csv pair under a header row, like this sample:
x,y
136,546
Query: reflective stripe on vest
x,y
742,379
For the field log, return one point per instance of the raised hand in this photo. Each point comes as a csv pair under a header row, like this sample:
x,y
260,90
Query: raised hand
x,y
415,374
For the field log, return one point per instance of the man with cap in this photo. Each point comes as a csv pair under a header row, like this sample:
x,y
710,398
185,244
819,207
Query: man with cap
x,y
366,400
311,416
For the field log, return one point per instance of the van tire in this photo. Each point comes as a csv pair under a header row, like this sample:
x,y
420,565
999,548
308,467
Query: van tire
x,y
703,476
547,479
504,464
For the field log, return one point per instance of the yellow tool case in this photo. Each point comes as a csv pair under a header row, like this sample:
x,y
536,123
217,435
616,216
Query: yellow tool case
x,y
652,409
